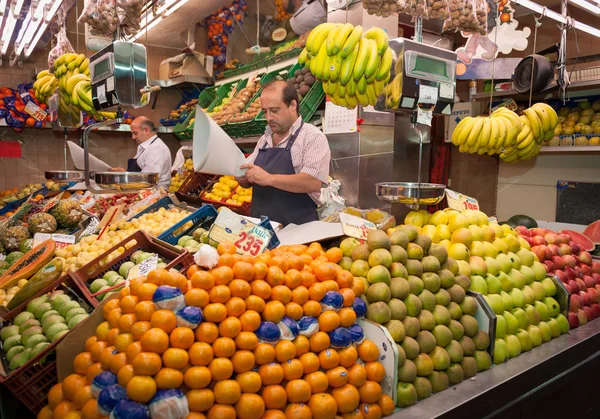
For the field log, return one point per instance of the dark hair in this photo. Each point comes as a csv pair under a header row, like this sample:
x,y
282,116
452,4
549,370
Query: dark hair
x,y
289,92
149,124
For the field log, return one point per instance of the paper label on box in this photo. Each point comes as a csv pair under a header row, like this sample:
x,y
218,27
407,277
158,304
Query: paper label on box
x,y
61,240
101,94
247,237
460,202
355,226
143,268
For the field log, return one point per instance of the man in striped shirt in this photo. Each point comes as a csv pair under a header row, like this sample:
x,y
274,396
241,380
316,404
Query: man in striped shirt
x,y
290,163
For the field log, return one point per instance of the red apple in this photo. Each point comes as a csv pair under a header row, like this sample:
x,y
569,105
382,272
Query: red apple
x,y
577,261
588,313
549,266
596,267
585,298
565,249
585,269
528,240
570,260
589,281
547,251
580,284
575,303
563,238
568,288
523,231
582,317
539,252
561,275
585,257
595,310
554,249
559,262
573,320
593,294
538,240
538,231
575,246
551,238
578,273
596,277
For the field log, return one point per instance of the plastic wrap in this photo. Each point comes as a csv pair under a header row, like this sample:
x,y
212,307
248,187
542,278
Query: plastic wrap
x,y
466,16
427,9
129,13
63,46
383,8
101,16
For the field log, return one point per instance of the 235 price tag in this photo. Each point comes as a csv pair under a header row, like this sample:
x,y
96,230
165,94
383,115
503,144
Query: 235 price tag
x,y
253,240
460,202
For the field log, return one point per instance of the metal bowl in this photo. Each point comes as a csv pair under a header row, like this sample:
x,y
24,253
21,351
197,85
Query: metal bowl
x,y
65,175
408,193
125,180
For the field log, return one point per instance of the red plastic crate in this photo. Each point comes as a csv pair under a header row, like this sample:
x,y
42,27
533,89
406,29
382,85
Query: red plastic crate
x,y
193,187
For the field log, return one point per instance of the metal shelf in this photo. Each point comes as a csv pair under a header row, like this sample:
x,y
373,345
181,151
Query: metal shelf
x,y
180,81
549,92
571,149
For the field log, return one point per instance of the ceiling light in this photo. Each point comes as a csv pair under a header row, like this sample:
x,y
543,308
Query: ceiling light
x,y
39,34
40,31
7,32
17,9
146,29
2,7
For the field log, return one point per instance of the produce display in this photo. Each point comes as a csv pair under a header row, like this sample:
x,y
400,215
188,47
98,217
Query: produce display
x,y
302,82
514,137
416,292
293,44
193,243
11,195
465,15
12,107
220,26
229,191
235,104
354,68
179,114
500,266
178,178
381,219
280,13
383,8
577,126
98,205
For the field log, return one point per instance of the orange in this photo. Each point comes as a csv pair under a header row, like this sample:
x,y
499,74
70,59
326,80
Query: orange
x,y
249,381
292,369
250,406
300,295
168,378
94,370
255,303
118,361
308,278
264,354
328,321
221,411
346,397
334,254
317,381
197,297
125,375
273,312
357,375
135,284
226,247
274,396
97,349
386,404
71,384
246,340
90,410
275,276
126,322
370,411
192,270
355,414
146,291
243,270
200,400
177,280
220,369
89,342
197,377
312,308
201,353
82,362
219,294
375,371
319,342
230,327
323,406
329,358
158,276
271,374
110,306
195,415
139,328
227,260
310,362
182,337
260,270
146,363
141,388
215,312
240,288
224,347
337,376
242,361
296,264
250,320
155,340
293,278
302,345
280,262
325,271
261,289
370,392
45,413
235,306
368,351
358,287
164,319
175,358
62,409
298,391
347,317
207,332
123,341
281,293
113,318
203,280
348,356
144,310
112,336
298,411
55,395
284,350
331,285
223,275
349,296
344,279
125,292
127,304
227,392
317,291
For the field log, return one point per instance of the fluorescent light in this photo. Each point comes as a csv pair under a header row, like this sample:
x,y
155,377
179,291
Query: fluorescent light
x,y
39,34
165,10
2,7
33,26
24,37
150,26
18,6
167,5
24,28
175,7
586,5
7,34
53,10
39,12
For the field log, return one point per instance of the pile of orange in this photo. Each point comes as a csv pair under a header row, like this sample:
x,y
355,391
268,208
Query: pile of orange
x,y
281,13
220,366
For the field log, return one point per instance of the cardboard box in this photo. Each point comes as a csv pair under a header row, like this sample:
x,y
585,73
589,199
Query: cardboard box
x,y
186,65
459,112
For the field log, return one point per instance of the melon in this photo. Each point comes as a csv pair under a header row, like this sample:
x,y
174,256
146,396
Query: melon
x,y
28,264
582,240
593,232
42,278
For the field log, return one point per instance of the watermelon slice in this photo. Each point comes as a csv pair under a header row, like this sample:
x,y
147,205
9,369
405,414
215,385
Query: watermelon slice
x,y
593,231
582,240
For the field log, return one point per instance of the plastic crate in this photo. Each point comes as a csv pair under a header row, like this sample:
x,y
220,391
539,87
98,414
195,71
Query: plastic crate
x,y
179,259
207,96
193,187
266,223
184,131
31,382
11,206
243,209
171,235
223,92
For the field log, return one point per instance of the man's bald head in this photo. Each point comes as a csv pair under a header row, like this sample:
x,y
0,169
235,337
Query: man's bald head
x,y
279,101
142,129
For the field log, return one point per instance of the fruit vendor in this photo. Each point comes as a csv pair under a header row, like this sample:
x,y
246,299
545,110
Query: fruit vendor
x,y
307,15
153,155
290,163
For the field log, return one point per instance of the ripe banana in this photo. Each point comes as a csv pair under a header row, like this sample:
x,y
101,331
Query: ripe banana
x,y
524,133
301,58
385,65
380,37
351,87
551,112
316,65
325,69
494,135
342,35
361,86
352,41
331,88
361,59
363,99
458,136
313,45
371,95
335,68
372,60
351,101
472,138
341,92
74,80
535,122
348,66
526,141
484,135
331,39
544,117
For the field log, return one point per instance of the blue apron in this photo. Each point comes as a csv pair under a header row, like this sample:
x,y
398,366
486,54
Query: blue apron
x,y
281,206
132,165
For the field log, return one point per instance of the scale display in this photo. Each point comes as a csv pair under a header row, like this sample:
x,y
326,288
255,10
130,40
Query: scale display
x,y
426,65
102,68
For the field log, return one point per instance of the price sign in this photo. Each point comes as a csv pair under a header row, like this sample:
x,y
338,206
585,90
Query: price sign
x,y
460,202
247,237
61,240
52,202
143,268
355,226
113,214
35,111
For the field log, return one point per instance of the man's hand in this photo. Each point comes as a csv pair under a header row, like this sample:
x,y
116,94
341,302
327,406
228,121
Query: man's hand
x,y
256,175
117,169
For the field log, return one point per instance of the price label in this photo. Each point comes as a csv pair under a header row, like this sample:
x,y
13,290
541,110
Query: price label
x,y
460,202
143,268
355,226
252,240
35,111
247,237
61,240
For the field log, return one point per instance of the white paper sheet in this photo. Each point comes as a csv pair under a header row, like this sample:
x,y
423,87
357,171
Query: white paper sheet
x,y
309,232
96,165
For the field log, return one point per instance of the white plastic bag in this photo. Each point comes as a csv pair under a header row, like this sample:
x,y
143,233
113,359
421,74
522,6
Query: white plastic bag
x,y
101,16
63,46
207,257
180,158
331,201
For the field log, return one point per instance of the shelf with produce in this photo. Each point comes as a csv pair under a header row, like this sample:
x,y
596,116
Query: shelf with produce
x,y
267,69
550,92
571,149
181,81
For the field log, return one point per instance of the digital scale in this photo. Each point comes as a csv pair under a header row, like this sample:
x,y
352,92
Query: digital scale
x,y
118,74
427,77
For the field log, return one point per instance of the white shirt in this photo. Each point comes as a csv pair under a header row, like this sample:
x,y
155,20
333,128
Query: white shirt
x,y
308,17
153,156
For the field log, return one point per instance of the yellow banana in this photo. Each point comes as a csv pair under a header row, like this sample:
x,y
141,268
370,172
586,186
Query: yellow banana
x,y
371,95
385,66
351,88
342,35
70,56
494,134
74,80
380,37
347,66
379,88
340,101
331,39
361,86
43,73
332,88
544,117
303,56
457,135
320,36
316,65
341,91
525,141
484,135
335,68
351,101
59,61
536,125
524,133
551,112
372,60
325,69
363,99
472,138
352,41
361,59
